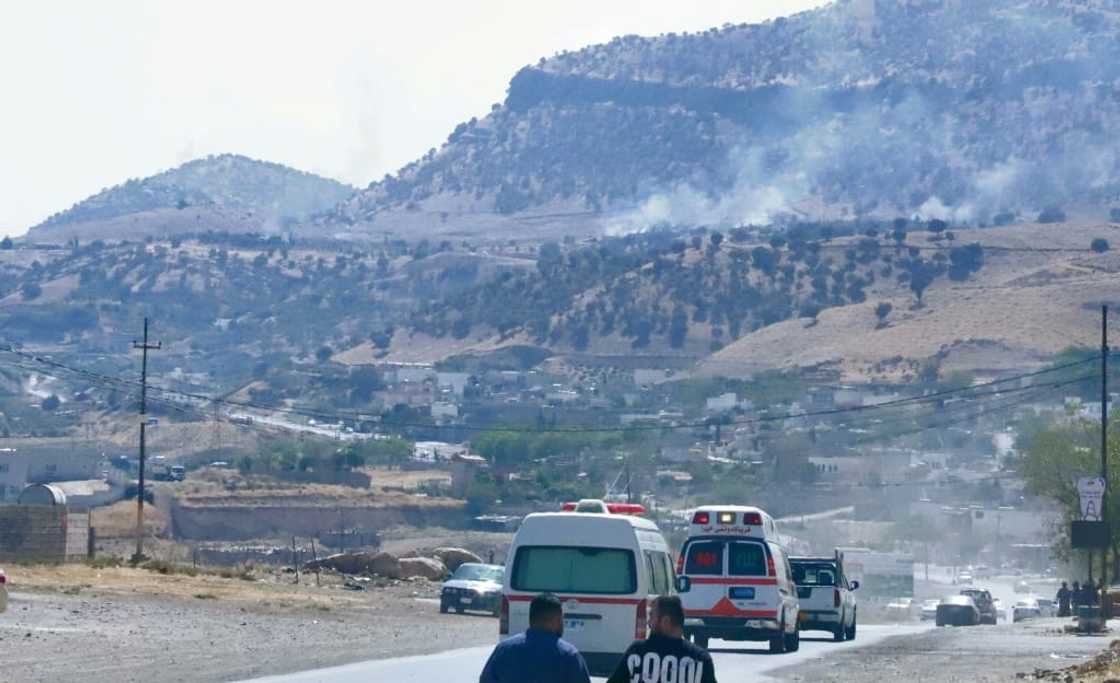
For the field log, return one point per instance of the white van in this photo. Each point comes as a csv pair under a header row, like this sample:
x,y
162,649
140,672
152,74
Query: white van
x,y
604,567
735,580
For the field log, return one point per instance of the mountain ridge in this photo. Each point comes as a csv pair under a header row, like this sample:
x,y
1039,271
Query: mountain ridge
x,y
940,109
264,193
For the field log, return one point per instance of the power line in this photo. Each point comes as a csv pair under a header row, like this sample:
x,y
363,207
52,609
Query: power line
x,y
1028,394
914,400
982,412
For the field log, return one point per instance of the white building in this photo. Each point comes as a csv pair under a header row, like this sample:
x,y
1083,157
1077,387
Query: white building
x,y
437,451
722,403
42,464
414,374
455,381
442,410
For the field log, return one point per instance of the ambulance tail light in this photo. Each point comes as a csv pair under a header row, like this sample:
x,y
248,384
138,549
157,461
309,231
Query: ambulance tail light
x,y
836,598
640,621
770,569
752,519
503,620
680,563
701,518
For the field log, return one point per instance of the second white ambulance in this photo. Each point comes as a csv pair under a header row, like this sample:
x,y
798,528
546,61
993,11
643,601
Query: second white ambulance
x,y
735,580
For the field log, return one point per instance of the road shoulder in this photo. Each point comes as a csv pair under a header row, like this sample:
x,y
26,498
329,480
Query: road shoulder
x,y
984,654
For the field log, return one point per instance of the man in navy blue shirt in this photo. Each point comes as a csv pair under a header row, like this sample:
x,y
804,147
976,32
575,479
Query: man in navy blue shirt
x,y
539,655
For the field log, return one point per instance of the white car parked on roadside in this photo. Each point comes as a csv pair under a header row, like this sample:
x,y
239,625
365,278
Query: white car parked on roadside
x,y
1027,608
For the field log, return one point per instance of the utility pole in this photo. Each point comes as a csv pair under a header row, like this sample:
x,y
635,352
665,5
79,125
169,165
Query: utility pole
x,y
629,494
1104,433
144,347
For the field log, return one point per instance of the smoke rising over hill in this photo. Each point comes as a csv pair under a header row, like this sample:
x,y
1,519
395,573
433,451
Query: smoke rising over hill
x,y
937,109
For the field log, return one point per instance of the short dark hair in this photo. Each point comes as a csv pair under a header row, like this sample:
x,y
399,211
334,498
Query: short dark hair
x,y
544,607
670,606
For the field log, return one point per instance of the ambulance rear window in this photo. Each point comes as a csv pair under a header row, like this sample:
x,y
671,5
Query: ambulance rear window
x,y
747,559
567,569
705,558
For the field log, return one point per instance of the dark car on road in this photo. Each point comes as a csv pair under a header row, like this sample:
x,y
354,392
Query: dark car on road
x,y
984,603
473,587
958,610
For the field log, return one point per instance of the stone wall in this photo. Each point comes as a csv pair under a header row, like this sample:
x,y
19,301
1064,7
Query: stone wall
x,y
43,534
233,523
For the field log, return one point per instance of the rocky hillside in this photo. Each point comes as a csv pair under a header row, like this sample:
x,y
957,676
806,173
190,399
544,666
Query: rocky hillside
x,y
856,300
944,108
654,293
227,192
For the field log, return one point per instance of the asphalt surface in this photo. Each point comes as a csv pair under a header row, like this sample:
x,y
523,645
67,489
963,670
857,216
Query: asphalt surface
x,y
738,662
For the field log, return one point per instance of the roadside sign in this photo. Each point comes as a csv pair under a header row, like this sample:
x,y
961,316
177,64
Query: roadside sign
x,y
1091,490
1089,535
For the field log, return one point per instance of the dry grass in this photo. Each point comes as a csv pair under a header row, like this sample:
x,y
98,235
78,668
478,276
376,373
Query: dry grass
x,y
406,479
222,487
244,586
1023,306
119,520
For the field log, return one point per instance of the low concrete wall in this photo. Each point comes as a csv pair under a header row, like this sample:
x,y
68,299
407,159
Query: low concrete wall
x,y
235,523
43,534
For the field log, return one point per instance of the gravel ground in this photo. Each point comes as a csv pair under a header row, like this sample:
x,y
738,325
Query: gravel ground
x,y
982,654
51,636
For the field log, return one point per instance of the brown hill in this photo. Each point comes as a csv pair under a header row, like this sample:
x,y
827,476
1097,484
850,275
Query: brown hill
x,y
1022,307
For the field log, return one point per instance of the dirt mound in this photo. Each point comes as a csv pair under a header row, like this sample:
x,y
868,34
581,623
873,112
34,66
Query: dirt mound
x,y
422,567
381,564
454,557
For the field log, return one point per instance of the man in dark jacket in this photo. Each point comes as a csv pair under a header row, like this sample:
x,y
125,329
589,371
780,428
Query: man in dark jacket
x,y
665,657
1064,600
539,655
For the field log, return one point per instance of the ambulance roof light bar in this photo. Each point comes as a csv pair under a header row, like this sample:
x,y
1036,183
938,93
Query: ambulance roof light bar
x,y
593,506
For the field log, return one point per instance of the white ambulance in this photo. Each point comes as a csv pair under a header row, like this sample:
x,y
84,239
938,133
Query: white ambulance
x,y
603,561
735,580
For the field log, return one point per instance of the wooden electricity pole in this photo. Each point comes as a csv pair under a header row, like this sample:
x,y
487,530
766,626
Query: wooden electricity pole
x,y
1104,435
144,347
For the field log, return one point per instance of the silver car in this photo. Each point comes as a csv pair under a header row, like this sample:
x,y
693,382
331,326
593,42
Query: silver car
x,y
473,586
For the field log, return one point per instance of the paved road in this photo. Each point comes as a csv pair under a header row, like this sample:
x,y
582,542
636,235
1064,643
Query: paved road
x,y
742,663
816,516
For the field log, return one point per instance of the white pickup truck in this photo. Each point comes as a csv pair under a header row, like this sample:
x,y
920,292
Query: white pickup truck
x,y
826,596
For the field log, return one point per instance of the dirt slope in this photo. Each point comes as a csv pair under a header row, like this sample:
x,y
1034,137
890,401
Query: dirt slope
x,y
1019,309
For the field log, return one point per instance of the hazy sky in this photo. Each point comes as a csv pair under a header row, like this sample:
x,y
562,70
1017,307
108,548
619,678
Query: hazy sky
x,y
97,92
